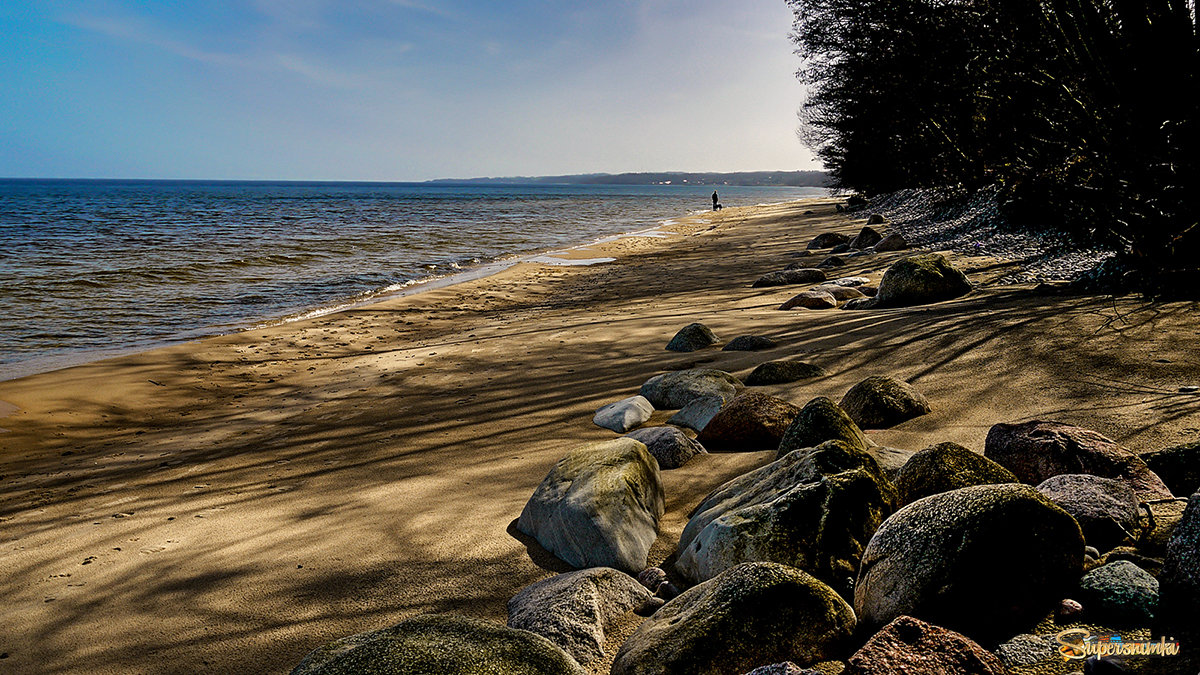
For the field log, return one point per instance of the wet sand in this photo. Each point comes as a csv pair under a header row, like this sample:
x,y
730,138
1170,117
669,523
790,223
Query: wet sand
x,y
229,504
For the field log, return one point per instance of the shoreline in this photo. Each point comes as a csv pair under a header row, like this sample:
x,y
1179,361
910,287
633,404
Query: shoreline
x,y
228,504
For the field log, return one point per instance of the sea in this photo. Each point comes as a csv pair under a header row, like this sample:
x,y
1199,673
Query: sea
x,y
95,268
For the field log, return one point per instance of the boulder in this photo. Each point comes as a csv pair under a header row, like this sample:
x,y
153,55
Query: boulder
x,y
805,275
866,238
840,248
814,509
988,561
1180,576
840,293
877,219
624,415
782,372
692,337
1028,649
831,261
892,242
672,391
891,460
828,240
918,280
440,645
821,420
749,343
811,299
599,506
880,402
1105,508
670,446
908,645
1178,467
945,467
869,291
698,413
752,421
752,614
1119,594
574,610
1037,450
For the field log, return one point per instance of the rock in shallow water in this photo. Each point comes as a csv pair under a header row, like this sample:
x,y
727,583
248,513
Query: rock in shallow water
x,y
692,337
624,415
752,614
670,446
599,506
440,645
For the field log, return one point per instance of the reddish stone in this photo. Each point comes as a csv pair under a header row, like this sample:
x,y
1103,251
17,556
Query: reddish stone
x,y
751,421
908,645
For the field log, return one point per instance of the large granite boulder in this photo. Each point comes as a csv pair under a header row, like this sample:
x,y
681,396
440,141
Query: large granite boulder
x,y
750,343
752,421
866,238
891,460
1119,594
811,299
692,337
1105,508
814,509
1178,467
574,610
880,402
782,372
828,240
697,413
440,645
672,391
1180,576
908,645
945,467
803,275
918,280
599,506
623,415
1037,450
752,614
670,446
821,420
988,561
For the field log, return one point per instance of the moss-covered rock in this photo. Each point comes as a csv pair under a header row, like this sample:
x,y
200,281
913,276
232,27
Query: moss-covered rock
x,y
987,561
1119,594
782,372
752,614
599,506
821,420
752,421
918,280
945,467
672,391
880,402
814,509
692,337
440,645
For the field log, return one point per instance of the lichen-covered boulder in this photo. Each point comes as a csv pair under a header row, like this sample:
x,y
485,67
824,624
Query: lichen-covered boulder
x,y
880,402
866,238
752,421
814,509
441,645
672,391
811,299
1105,508
1037,450
697,413
623,415
1119,594
893,242
692,337
908,645
918,280
945,467
599,506
752,614
828,240
1178,467
821,420
782,372
573,610
670,446
804,275
987,561
749,343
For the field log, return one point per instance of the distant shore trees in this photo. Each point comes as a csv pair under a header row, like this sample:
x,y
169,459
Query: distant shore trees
x,y
1084,112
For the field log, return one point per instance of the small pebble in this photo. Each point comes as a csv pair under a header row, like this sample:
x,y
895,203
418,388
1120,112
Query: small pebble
x,y
1068,609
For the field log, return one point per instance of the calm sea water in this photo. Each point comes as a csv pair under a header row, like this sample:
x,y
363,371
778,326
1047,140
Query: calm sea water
x,y
92,266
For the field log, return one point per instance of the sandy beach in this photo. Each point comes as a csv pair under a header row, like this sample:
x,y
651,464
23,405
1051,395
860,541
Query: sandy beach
x,y
229,504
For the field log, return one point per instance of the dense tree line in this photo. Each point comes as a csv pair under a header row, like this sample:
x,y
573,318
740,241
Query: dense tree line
x,y
1084,111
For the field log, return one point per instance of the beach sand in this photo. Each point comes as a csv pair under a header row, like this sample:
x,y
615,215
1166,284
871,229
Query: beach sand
x,y
229,504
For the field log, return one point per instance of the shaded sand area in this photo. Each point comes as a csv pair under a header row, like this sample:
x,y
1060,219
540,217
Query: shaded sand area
x,y
228,505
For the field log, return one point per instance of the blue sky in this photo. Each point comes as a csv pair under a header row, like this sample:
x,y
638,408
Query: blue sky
x,y
395,89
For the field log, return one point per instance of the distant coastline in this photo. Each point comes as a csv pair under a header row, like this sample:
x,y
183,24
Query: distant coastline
x,y
743,178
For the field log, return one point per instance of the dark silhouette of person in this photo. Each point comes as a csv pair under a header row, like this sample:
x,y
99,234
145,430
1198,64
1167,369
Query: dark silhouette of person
x,y
715,204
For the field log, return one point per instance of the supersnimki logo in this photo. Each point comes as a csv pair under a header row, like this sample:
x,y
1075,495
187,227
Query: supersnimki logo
x,y
1079,643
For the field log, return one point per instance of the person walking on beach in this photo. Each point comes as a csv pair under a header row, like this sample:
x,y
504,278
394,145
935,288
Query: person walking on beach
x,y
715,204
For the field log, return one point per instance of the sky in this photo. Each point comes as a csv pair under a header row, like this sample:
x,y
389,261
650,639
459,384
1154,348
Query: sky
x,y
395,89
